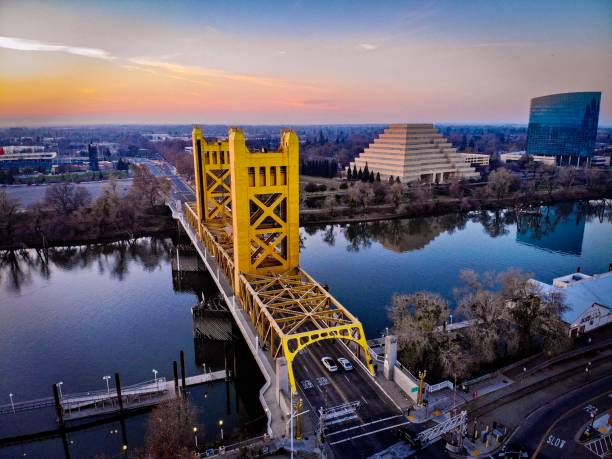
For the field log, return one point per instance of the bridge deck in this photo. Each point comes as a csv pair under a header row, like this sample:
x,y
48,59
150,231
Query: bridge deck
x,y
289,310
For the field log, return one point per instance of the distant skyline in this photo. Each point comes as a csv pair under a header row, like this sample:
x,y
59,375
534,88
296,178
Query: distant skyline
x,y
302,62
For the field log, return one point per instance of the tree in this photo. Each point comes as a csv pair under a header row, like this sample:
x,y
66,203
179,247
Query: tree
x,y
349,175
366,173
311,187
371,177
500,183
536,315
567,176
454,188
65,198
169,432
330,204
107,208
397,179
378,177
148,190
360,174
391,181
355,174
419,322
8,210
396,194
490,334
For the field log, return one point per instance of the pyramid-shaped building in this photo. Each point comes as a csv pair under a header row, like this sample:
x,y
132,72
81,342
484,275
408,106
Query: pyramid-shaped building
x,y
414,152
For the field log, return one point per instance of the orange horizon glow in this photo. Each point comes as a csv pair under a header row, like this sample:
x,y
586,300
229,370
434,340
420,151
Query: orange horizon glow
x,y
121,69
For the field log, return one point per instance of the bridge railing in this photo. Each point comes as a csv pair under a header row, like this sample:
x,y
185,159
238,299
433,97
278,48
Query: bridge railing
x,y
226,263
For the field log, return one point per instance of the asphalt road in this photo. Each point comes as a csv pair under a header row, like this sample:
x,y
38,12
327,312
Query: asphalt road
x,y
376,416
372,430
562,419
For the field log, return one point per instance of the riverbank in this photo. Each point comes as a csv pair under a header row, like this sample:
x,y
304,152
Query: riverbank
x,y
442,206
36,232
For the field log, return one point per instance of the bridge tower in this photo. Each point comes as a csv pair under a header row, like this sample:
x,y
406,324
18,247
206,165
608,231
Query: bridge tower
x,y
212,178
265,214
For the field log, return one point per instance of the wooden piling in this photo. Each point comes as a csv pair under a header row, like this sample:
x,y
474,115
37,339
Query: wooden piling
x,y
119,398
58,407
176,382
183,370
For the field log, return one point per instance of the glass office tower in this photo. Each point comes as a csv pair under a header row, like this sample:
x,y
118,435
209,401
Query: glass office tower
x,y
565,126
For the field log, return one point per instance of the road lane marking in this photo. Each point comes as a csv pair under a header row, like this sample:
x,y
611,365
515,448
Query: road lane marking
x,y
363,425
564,415
370,433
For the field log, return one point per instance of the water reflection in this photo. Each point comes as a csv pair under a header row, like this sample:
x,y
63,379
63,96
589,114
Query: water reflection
x,y
557,228
18,266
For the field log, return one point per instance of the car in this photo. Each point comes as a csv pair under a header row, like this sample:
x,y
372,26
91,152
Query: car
x,y
345,363
329,363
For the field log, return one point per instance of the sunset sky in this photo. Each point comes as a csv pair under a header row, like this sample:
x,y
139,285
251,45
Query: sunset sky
x,y
293,62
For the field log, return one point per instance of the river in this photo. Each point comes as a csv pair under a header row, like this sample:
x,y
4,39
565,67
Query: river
x,y
364,264
90,311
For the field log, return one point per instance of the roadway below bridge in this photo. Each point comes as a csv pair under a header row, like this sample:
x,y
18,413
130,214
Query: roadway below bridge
x,y
371,428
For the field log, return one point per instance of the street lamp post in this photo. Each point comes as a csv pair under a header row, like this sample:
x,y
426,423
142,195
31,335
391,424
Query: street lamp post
x,y
221,427
593,414
155,377
59,388
195,436
106,378
12,404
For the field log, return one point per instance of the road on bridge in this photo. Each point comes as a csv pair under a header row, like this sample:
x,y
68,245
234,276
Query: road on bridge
x,y
373,428
377,416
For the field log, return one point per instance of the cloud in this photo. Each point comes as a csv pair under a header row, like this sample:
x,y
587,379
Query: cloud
x,y
368,46
204,75
24,44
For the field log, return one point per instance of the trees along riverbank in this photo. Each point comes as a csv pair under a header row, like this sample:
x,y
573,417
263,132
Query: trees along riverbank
x,y
374,200
508,318
69,215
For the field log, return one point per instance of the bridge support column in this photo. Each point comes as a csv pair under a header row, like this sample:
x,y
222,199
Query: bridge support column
x,y
390,355
58,407
119,397
282,378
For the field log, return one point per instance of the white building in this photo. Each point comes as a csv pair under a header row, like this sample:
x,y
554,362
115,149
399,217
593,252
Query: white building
x,y
476,159
589,299
414,152
517,155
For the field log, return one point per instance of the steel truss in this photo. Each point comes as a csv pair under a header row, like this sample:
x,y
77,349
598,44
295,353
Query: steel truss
x,y
259,250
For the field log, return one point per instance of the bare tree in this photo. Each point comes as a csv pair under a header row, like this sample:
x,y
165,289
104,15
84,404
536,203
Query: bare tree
x,y
500,183
170,430
8,210
490,333
454,188
537,315
396,193
567,176
330,204
65,198
148,190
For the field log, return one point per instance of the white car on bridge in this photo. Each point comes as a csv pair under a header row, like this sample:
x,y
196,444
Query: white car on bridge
x,y
345,363
329,363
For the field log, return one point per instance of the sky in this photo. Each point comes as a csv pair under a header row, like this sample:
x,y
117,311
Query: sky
x,y
297,62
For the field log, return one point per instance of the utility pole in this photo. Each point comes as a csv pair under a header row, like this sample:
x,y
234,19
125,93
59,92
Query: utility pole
x,y
422,375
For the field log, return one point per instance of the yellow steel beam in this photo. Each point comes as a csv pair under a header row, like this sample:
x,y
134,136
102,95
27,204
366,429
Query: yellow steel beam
x,y
259,249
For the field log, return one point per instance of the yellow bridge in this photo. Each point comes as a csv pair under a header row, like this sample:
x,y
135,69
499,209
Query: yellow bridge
x,y
247,215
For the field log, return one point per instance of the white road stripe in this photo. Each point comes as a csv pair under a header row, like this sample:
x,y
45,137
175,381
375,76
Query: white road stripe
x,y
363,425
370,433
